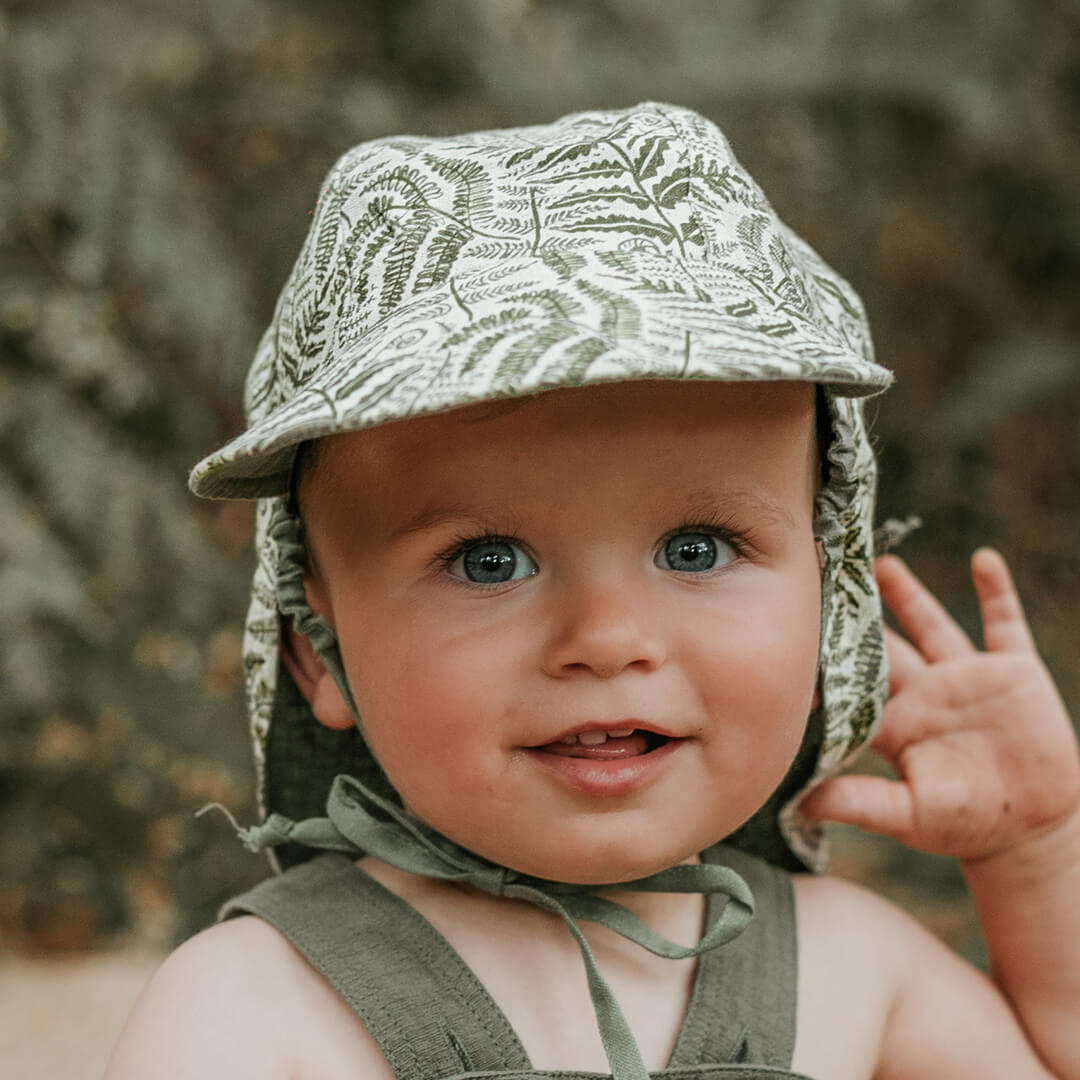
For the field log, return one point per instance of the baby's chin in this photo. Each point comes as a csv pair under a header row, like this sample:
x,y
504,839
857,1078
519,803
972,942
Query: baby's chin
x,y
597,867
584,849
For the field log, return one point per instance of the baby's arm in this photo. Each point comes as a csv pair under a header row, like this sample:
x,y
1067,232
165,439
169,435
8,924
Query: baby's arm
x,y
237,1002
990,773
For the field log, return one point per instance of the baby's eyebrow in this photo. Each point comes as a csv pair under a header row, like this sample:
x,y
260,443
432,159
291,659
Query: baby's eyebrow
x,y
431,517
700,505
703,504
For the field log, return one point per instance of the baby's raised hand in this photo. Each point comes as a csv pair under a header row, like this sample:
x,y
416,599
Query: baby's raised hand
x,y
985,755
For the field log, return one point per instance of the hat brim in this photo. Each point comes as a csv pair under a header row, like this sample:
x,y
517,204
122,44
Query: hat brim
x,y
429,358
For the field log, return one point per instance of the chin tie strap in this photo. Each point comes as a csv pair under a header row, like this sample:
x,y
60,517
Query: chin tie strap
x,y
361,822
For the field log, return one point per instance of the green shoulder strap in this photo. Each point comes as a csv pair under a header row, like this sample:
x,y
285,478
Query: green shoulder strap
x,y
429,1014
743,1007
361,819
432,1018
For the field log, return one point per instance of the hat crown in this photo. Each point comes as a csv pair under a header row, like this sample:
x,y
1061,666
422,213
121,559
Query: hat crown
x,y
517,246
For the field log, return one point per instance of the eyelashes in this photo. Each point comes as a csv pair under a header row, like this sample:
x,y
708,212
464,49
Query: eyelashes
x,y
485,535
722,527
710,523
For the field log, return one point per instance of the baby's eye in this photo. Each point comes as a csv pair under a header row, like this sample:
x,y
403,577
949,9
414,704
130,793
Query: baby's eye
x,y
492,562
694,552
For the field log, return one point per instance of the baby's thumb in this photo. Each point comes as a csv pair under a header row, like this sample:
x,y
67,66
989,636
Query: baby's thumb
x,y
874,803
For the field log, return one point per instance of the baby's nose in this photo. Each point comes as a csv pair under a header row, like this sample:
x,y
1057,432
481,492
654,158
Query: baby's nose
x,y
603,628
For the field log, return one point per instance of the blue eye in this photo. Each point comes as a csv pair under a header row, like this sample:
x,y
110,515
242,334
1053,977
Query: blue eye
x,y
493,562
693,553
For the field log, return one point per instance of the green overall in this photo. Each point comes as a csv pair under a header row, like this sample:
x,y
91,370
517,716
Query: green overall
x,y
433,1020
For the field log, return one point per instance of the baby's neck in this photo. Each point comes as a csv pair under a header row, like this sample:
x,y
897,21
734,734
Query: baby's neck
x,y
676,916
533,969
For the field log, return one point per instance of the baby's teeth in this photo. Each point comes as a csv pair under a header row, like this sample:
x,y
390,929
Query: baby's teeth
x,y
592,738
595,738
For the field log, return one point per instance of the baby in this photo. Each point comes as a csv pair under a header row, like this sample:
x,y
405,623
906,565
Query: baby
x,y
565,619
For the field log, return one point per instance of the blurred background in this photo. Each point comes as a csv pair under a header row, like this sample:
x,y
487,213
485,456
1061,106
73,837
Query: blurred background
x,y
158,164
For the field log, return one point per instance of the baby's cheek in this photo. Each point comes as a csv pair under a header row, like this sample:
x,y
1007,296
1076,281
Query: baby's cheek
x,y
771,655
419,717
762,687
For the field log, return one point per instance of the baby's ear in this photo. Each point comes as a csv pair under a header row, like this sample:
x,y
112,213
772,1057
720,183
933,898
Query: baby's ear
x,y
313,680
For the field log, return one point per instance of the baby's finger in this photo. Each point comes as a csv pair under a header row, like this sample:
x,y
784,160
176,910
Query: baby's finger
x,y
874,803
930,627
904,661
1004,626
903,724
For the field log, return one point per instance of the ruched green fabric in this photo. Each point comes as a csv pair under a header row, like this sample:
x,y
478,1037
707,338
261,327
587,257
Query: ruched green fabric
x,y
287,531
361,822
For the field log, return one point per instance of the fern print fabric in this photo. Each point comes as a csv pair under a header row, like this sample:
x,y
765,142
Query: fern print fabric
x,y
604,247
607,246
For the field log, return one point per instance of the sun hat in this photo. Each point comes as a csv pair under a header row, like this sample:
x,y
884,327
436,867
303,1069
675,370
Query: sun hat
x,y
440,272
606,246
443,272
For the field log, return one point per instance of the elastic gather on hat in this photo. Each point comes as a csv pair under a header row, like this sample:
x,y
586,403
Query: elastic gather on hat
x,y
287,530
832,505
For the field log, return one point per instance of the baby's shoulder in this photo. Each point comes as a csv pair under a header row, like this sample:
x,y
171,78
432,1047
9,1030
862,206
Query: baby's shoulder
x,y
842,917
847,976
237,1000
879,995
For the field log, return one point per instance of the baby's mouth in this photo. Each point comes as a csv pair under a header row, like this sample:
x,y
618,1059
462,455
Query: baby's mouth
x,y
605,745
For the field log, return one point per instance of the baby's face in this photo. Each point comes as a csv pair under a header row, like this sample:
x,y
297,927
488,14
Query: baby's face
x,y
635,559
